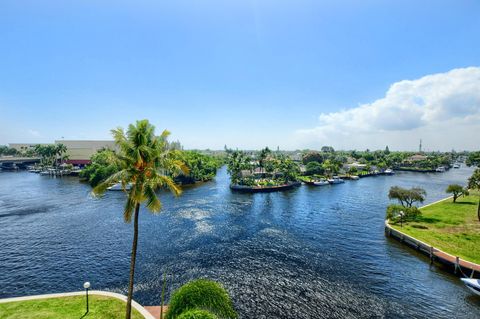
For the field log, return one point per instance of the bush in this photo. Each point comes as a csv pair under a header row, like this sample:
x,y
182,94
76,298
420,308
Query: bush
x,y
201,294
410,213
197,314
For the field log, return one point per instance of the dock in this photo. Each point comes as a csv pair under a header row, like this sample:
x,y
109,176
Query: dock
x,y
456,264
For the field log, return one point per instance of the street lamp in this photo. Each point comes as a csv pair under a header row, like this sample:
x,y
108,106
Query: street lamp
x,y
401,218
86,285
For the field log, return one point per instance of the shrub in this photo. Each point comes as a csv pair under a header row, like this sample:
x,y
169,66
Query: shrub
x,y
410,213
197,314
201,294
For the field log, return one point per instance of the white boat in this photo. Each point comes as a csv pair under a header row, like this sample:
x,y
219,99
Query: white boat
x,y
321,183
472,284
440,169
354,177
336,180
456,165
119,187
44,173
389,171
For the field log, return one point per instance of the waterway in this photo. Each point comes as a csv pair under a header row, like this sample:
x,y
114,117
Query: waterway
x,y
312,252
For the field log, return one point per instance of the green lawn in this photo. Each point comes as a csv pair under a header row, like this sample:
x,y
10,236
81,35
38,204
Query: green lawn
x,y
451,227
101,307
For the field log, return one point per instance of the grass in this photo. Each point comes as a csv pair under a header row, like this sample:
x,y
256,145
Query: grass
x,y
101,307
451,227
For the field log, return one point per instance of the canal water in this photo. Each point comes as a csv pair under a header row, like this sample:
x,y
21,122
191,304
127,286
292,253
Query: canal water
x,y
306,253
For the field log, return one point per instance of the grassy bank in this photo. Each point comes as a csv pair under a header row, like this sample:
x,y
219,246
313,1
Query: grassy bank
x,y
451,227
101,307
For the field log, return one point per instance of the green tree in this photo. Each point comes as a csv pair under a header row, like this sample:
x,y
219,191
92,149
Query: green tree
x,y
237,161
263,157
474,183
457,191
314,168
144,160
102,165
327,149
407,197
312,157
473,159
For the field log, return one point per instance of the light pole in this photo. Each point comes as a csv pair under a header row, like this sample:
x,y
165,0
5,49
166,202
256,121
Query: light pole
x,y
401,218
86,285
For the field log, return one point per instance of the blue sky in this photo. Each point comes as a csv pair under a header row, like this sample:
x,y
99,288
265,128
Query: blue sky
x,y
295,74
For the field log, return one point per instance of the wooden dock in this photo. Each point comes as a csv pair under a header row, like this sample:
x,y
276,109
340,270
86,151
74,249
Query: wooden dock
x,y
459,266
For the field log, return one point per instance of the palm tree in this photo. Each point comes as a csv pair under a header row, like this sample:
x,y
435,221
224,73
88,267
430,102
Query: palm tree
x,y
147,164
474,184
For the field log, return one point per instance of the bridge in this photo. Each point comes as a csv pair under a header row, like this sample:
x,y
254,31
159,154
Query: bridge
x,y
21,162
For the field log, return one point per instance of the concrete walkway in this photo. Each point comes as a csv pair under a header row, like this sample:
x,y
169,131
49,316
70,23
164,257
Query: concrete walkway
x,y
136,305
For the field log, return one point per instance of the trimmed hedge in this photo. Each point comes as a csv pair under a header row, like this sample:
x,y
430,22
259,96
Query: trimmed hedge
x,y
201,294
197,314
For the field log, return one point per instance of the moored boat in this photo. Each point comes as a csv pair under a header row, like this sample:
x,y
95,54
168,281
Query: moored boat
x,y
335,180
320,183
389,171
119,187
472,284
456,165
440,169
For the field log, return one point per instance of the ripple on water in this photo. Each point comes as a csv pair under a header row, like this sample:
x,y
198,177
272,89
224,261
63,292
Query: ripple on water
x,y
306,253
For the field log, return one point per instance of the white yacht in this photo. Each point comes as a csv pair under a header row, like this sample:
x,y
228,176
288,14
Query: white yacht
x,y
321,183
472,284
389,171
440,169
119,187
336,180
456,165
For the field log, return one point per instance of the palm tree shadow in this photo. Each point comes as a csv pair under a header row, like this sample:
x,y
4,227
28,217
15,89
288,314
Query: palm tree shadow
x,y
84,315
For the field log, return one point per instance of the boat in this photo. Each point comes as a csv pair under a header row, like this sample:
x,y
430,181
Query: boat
x,y
472,284
456,165
335,180
389,171
119,187
440,169
354,177
320,183
44,173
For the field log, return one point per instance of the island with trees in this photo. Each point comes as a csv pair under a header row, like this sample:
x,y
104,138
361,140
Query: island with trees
x,y
263,171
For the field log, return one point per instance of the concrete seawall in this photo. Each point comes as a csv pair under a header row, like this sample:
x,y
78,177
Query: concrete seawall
x,y
457,265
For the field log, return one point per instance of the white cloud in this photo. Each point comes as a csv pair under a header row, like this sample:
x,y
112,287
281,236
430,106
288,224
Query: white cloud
x,y
34,133
443,109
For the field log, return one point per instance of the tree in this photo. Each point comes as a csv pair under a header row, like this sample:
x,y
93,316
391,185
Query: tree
x,y
144,160
236,162
457,191
473,159
313,157
407,197
262,158
327,149
474,183
387,150
314,168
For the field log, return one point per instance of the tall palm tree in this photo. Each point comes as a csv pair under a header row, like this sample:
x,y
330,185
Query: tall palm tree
x,y
147,164
474,184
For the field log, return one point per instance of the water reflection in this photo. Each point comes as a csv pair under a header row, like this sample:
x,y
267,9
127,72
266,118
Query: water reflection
x,y
306,253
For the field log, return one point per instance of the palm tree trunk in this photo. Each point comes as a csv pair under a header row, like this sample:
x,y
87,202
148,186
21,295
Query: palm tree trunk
x,y
132,262
478,210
